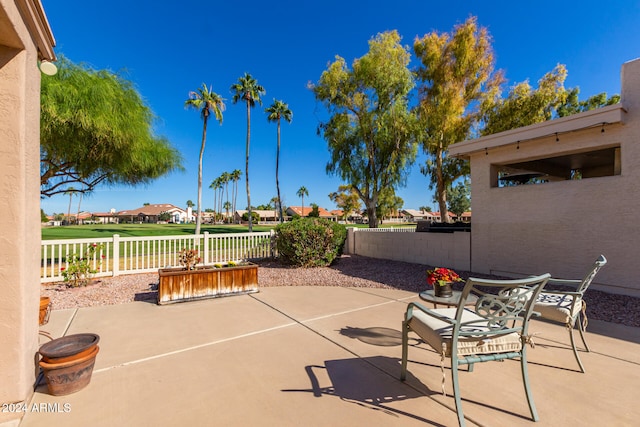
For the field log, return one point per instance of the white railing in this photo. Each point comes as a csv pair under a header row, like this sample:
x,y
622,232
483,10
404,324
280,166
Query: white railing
x,y
128,255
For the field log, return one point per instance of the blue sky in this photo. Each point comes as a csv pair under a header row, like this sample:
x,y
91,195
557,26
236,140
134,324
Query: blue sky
x,y
169,48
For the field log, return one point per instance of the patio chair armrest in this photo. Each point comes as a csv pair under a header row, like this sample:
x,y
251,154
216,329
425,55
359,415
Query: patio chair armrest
x,y
427,311
571,293
553,281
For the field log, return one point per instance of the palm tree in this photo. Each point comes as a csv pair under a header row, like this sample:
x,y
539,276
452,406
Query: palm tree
x,y
207,102
70,191
79,203
235,177
278,110
227,206
248,90
215,186
302,191
276,205
226,179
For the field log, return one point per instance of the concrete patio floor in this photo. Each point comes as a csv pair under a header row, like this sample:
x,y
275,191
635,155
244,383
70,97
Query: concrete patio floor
x,y
321,356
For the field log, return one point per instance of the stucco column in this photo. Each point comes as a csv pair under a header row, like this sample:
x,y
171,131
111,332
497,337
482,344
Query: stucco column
x,y
20,225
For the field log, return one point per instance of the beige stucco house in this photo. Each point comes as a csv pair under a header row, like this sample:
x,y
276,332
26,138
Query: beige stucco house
x,y
588,204
25,39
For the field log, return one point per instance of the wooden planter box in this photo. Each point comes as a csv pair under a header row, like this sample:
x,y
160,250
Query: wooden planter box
x,y
178,284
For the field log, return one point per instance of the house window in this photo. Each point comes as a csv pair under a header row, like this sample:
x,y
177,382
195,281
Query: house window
x,y
574,166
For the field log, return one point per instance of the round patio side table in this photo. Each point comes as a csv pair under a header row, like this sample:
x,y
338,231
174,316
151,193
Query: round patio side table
x,y
452,301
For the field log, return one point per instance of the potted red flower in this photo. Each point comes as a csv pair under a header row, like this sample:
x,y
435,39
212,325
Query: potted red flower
x,y
441,279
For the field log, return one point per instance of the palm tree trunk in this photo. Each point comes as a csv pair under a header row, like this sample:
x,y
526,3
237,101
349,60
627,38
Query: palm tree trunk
x,y
233,199
79,202
246,166
277,183
69,210
199,208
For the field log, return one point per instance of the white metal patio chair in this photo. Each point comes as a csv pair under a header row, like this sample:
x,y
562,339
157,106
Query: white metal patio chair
x,y
567,307
495,329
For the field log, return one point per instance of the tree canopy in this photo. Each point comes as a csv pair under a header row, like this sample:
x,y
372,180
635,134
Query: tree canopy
x,y
572,105
370,131
457,80
96,129
346,199
524,105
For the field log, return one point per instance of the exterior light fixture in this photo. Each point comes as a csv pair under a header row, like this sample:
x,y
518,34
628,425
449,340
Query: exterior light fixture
x,y
48,68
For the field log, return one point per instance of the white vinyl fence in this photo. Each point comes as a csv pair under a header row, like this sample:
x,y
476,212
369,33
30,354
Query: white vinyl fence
x,y
129,255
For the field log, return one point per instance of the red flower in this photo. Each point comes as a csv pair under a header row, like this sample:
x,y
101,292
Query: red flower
x,y
442,276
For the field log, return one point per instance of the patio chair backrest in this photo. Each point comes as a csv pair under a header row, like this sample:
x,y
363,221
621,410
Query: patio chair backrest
x,y
505,305
600,262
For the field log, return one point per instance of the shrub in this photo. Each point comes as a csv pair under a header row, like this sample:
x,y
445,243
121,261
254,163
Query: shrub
x,y
310,242
254,215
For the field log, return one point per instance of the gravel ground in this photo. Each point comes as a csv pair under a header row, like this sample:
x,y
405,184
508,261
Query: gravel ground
x,y
351,271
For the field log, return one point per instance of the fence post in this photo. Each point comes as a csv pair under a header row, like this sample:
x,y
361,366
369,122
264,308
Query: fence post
x,y
116,254
350,244
272,245
205,257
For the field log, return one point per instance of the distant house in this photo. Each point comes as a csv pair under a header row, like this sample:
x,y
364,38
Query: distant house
x,y
298,210
151,213
413,215
264,215
105,217
465,217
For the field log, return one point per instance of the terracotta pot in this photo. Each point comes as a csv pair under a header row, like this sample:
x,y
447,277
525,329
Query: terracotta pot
x,y
443,291
45,310
69,348
68,377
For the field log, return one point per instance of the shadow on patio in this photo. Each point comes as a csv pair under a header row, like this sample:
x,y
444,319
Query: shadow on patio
x,y
317,356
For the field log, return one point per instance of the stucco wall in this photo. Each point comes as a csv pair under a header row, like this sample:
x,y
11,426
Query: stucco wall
x,y
561,227
450,250
20,201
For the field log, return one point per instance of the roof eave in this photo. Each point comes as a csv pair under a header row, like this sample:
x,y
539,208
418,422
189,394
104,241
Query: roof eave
x,y
593,118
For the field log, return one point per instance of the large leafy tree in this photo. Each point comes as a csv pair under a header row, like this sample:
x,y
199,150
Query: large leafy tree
x,y
208,103
525,106
370,130
457,81
96,129
248,90
346,199
460,200
389,203
278,111
572,105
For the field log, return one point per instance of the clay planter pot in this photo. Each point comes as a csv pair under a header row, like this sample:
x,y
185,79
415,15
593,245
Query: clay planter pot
x,y
68,362
45,310
443,291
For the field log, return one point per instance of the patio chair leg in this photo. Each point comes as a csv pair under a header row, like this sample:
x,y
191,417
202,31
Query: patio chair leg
x,y
527,388
581,330
456,390
405,351
575,350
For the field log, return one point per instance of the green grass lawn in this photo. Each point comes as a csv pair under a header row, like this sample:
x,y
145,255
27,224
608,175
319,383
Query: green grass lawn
x,y
136,230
